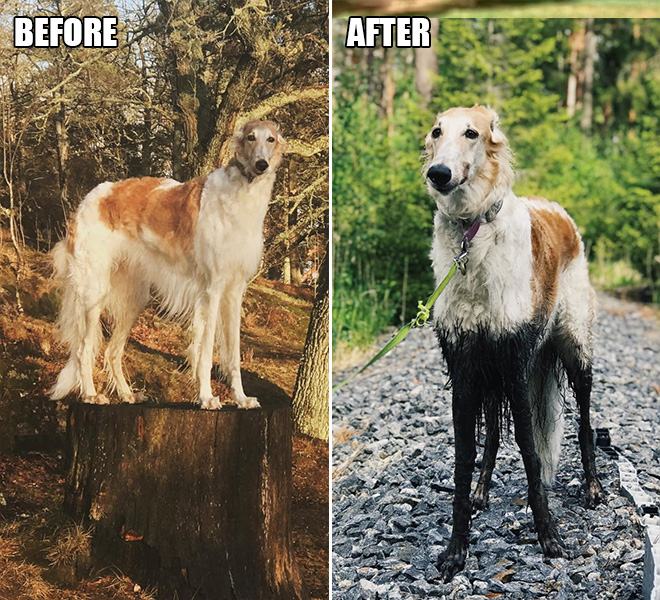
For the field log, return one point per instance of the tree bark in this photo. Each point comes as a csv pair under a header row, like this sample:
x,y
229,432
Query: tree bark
x,y
229,109
194,503
311,394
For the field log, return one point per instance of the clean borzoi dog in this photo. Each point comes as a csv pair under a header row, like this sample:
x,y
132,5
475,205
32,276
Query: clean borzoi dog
x,y
196,244
519,318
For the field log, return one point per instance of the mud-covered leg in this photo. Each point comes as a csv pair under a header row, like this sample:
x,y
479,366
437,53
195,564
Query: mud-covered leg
x,y
538,499
492,425
581,383
464,411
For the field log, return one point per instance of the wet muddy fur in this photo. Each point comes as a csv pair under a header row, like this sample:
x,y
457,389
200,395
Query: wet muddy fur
x,y
491,379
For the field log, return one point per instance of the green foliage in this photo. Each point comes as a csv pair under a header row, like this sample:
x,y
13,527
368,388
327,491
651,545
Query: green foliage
x,y
608,180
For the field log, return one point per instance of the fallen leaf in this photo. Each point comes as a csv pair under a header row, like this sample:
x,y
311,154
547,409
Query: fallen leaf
x,y
505,576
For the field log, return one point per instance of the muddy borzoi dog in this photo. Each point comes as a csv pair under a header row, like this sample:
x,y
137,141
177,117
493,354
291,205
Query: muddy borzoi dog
x,y
517,322
195,244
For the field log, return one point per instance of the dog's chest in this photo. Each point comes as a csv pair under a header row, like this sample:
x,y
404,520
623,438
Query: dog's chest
x,y
230,228
495,294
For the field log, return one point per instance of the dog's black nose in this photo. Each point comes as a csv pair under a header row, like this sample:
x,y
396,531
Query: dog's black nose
x,y
439,175
261,165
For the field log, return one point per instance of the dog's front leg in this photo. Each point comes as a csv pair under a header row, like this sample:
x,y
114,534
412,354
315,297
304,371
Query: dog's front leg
x,y
537,497
203,337
464,412
231,348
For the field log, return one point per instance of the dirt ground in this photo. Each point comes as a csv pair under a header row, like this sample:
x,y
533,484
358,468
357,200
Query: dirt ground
x,y
36,539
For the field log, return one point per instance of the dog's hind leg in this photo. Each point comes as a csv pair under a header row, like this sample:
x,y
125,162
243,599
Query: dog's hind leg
x,y
538,500
91,279
126,300
580,380
492,425
579,374
230,323
572,339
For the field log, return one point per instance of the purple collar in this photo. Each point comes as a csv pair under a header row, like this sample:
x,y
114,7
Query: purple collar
x,y
468,234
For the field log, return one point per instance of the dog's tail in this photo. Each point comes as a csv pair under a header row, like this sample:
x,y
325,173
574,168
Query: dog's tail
x,y
547,412
71,322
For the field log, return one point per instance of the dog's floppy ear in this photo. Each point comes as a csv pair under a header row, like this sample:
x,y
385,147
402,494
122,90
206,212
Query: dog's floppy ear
x,y
280,138
496,134
236,140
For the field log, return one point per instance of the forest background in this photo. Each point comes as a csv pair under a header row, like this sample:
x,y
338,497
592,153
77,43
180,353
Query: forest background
x,y
579,100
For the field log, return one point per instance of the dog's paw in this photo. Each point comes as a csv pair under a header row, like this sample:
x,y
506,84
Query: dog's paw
x,y
595,494
212,403
452,560
98,399
552,546
247,402
479,500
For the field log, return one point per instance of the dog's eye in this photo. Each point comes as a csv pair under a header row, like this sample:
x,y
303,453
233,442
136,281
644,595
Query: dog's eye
x,y
271,139
436,133
471,134
252,138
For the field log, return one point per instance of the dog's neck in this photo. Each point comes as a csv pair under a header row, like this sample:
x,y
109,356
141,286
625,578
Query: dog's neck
x,y
242,169
486,217
462,225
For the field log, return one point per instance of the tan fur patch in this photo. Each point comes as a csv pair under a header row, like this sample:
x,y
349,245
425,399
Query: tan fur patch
x,y
170,212
555,243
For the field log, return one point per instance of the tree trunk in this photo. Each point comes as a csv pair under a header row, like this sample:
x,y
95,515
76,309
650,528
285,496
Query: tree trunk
x,y
426,66
389,91
589,60
191,502
311,397
62,154
576,45
147,132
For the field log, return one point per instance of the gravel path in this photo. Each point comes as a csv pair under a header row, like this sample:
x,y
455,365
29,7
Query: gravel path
x,y
393,458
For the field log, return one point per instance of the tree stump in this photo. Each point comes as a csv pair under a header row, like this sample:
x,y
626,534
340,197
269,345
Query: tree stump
x,y
188,501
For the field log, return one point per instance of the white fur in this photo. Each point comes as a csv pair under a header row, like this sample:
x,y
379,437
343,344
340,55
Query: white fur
x,y
112,271
496,293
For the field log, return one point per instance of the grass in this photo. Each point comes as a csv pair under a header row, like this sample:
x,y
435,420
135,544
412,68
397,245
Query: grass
x,y
609,275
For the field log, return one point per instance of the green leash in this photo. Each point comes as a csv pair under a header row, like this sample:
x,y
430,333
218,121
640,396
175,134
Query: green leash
x,y
423,314
424,310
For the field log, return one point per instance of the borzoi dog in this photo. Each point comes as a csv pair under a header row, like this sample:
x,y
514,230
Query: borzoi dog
x,y
519,318
196,244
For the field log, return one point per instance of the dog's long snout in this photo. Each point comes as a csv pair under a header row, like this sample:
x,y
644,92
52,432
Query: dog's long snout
x,y
261,165
440,175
